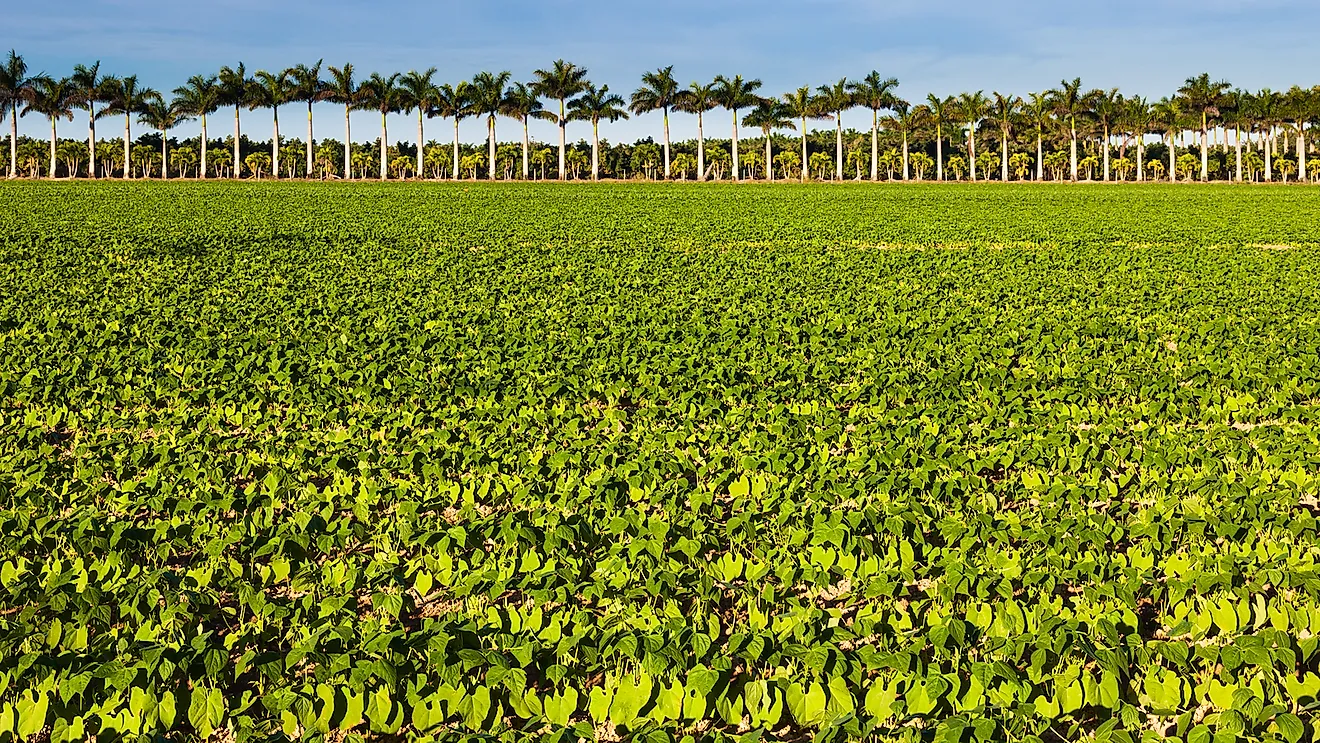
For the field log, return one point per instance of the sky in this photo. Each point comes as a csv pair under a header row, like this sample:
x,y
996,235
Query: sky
x,y
1144,47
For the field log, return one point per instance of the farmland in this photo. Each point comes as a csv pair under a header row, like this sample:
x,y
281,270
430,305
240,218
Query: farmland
x,y
648,462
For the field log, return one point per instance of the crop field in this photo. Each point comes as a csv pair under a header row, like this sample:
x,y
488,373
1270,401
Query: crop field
x,y
658,463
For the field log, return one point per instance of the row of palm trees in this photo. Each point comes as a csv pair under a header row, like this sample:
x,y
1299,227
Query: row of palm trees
x,y
562,93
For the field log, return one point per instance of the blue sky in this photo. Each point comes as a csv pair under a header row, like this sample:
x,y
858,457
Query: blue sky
x,y
942,46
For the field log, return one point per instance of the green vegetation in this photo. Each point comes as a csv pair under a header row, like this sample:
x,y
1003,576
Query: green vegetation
x,y
646,462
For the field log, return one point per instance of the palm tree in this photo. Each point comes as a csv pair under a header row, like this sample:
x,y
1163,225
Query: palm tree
x,y
735,93
1138,117
940,110
124,98
271,90
769,115
1300,106
1235,110
802,105
89,89
15,88
1268,114
836,99
1070,103
698,99
593,105
876,93
1108,106
490,93
971,109
235,90
53,99
1005,110
341,88
1203,96
658,92
308,87
1040,113
379,93
905,121
522,103
561,82
162,117
454,102
199,97
418,92
1168,115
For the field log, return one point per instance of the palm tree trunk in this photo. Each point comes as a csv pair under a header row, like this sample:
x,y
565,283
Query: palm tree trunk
x,y
1173,148
701,150
1003,160
420,165
1267,142
838,146
384,144
1301,151
1205,149
1237,148
490,126
13,140
275,144
1141,156
310,143
875,144
127,134
1040,156
165,155
939,151
667,175
238,157
203,173
1106,175
595,149
526,148
769,162
563,135
905,155
803,174
91,139
52,146
1073,130
971,150
735,145
456,173
347,145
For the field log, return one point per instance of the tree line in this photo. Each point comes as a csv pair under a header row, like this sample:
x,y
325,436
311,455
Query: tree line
x,y
1205,130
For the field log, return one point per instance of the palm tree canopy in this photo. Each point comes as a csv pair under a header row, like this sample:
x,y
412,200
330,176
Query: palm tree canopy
x,y
735,93
379,93
89,85
561,82
417,90
522,102
1005,109
235,85
658,92
160,115
837,97
341,88
489,91
51,97
123,97
306,85
873,91
453,101
597,103
770,114
972,107
1069,102
802,104
199,96
270,89
696,99
15,85
1203,95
